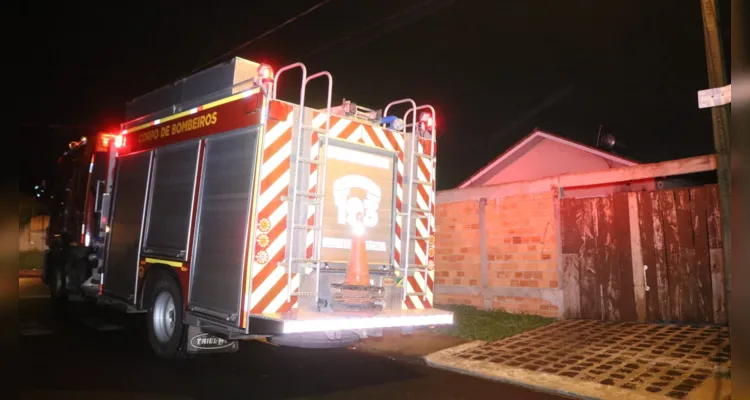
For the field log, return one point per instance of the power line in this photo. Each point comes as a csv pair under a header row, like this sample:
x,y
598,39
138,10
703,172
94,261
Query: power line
x,y
266,33
367,28
526,116
398,18
402,15
212,61
58,126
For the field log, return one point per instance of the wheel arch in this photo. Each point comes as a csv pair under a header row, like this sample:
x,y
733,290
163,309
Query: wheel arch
x,y
153,272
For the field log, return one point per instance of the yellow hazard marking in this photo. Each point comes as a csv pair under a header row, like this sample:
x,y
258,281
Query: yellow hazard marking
x,y
164,130
176,264
204,107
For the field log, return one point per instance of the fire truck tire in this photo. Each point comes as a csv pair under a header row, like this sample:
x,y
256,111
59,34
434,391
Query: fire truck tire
x,y
165,317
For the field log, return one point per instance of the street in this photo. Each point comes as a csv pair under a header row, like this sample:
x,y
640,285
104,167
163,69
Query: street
x,y
80,352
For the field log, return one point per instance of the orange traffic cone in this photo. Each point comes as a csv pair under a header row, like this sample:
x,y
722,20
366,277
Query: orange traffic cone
x,y
357,272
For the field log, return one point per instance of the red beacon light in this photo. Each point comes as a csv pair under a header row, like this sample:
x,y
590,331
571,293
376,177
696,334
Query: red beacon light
x,y
120,140
426,123
265,74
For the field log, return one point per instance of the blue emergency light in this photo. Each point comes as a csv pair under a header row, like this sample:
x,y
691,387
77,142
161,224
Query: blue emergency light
x,y
393,122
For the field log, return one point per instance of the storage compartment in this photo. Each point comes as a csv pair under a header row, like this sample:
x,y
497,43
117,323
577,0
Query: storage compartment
x,y
172,194
222,222
200,88
126,225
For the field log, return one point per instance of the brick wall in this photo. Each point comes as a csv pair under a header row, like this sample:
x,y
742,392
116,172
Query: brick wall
x,y
519,256
457,244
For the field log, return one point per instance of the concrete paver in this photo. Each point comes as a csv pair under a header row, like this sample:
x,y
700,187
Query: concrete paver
x,y
600,359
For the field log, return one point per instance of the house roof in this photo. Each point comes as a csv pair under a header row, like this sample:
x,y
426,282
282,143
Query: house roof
x,y
531,140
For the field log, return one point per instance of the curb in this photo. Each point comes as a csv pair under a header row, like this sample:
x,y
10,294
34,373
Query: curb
x,y
29,273
411,355
538,381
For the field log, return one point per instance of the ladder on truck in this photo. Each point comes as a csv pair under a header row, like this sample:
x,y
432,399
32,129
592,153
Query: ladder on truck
x,y
412,212
298,196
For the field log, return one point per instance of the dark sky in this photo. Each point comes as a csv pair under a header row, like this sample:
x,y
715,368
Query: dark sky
x,y
493,69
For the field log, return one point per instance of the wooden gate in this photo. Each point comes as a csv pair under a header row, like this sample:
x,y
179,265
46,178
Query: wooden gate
x,y
644,256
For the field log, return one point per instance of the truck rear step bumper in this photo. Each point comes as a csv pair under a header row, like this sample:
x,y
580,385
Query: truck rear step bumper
x,y
305,322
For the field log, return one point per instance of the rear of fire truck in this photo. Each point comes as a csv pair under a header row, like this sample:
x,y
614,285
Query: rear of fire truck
x,y
228,214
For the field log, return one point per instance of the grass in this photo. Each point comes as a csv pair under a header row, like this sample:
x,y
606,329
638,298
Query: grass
x,y
473,324
28,260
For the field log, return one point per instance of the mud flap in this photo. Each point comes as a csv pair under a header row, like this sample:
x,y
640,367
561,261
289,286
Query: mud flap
x,y
199,342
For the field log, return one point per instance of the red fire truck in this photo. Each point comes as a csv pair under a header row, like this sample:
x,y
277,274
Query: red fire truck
x,y
226,214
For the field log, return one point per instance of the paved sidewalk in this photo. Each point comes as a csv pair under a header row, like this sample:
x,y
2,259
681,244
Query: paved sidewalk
x,y
605,360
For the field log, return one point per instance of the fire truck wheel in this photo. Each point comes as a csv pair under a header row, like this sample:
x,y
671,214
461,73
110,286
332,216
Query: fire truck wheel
x,y
165,316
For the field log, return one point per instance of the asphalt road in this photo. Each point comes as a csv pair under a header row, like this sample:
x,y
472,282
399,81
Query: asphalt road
x,y
79,353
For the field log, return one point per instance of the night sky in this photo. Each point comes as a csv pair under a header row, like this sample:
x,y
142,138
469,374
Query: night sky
x,y
493,69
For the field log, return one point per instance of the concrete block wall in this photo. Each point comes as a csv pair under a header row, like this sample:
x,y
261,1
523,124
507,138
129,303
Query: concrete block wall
x,y
499,253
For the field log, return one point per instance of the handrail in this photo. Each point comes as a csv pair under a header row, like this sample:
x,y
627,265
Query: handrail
x,y
287,68
432,193
402,101
422,107
319,210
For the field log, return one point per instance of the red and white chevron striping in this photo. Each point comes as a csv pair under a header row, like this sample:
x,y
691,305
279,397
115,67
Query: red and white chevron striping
x,y
269,280
424,249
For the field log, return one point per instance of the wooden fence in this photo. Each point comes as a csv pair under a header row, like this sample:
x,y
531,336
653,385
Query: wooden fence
x,y
645,256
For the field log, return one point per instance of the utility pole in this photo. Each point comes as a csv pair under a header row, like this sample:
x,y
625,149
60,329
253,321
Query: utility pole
x,y
720,115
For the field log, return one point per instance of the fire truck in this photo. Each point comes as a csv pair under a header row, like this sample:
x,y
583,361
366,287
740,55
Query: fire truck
x,y
226,214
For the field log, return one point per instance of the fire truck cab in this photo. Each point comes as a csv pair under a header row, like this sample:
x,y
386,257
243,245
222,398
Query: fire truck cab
x,y
226,214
